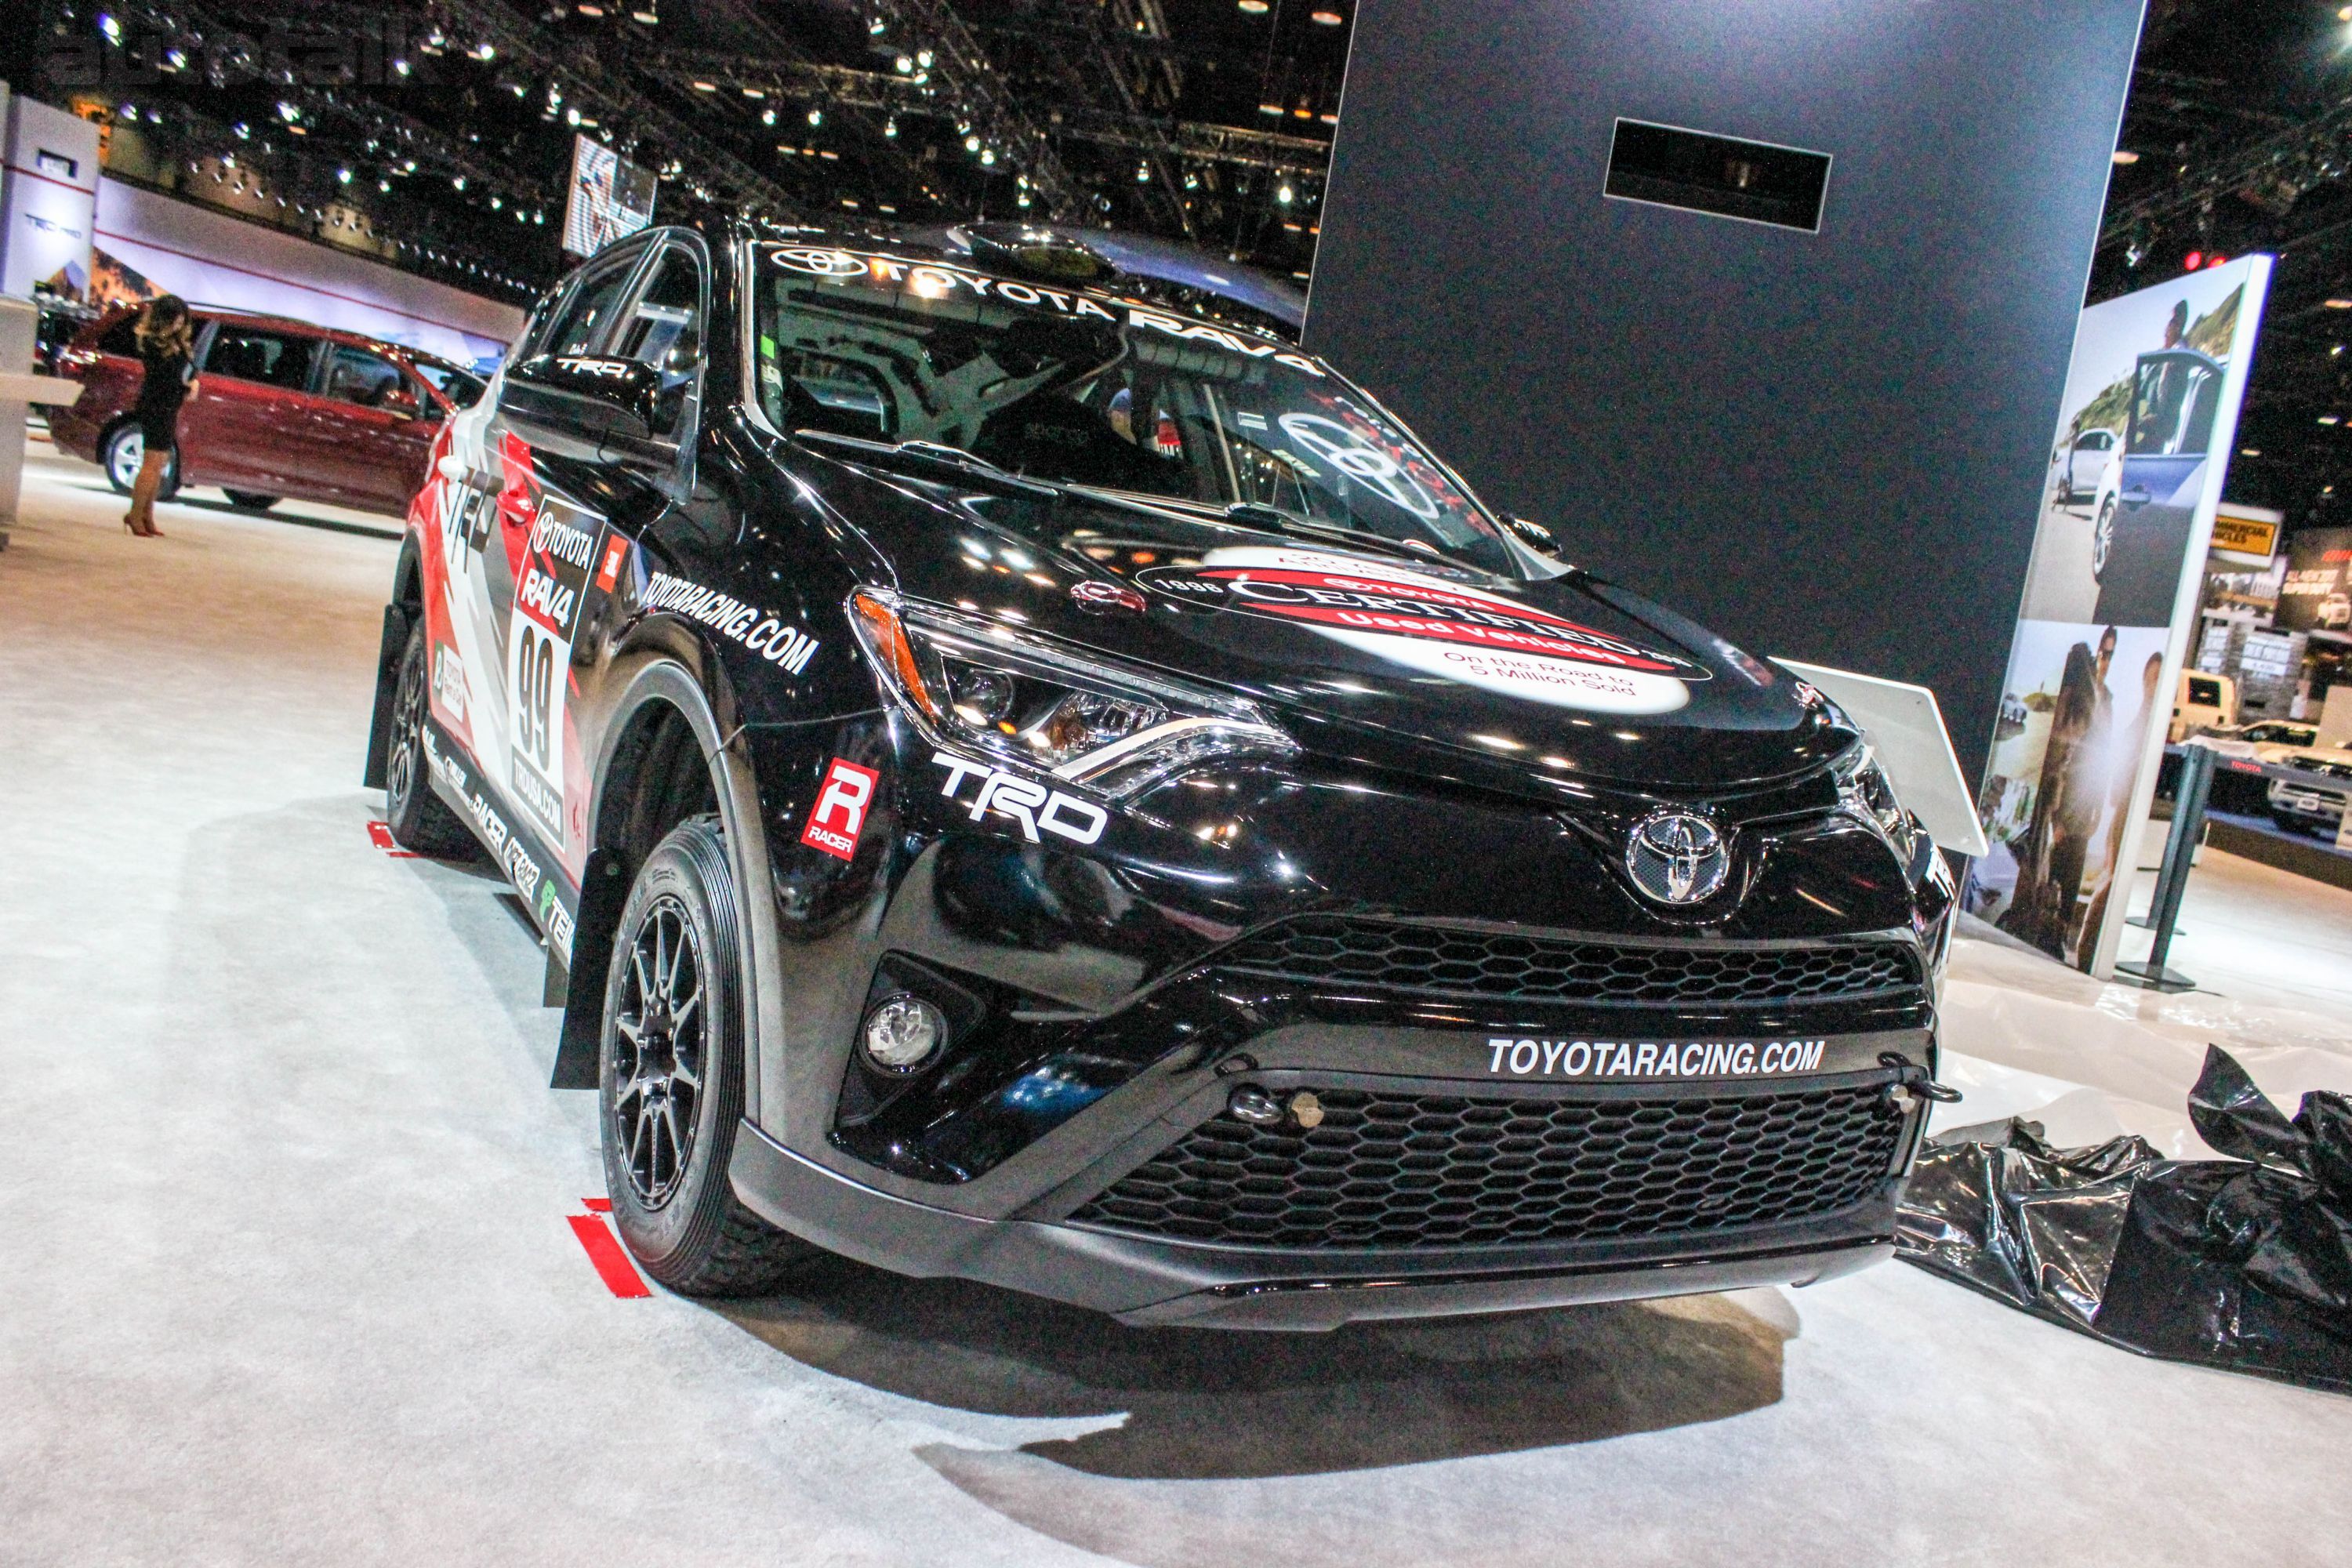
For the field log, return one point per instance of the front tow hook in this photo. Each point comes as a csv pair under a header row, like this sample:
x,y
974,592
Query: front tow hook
x,y
1915,1086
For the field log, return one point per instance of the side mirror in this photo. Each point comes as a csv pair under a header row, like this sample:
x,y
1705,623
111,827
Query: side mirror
x,y
1535,537
586,400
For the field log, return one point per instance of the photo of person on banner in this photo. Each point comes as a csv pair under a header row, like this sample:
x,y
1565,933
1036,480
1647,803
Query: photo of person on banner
x,y
2137,461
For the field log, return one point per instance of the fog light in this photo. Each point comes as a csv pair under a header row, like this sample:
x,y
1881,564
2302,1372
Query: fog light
x,y
903,1034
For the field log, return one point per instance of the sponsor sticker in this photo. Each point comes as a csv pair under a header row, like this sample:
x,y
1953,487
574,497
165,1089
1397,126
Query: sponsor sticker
x,y
839,815
1439,628
758,631
1024,801
616,551
1633,1061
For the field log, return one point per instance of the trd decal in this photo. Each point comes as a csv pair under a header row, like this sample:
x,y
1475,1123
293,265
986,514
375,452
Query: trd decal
x,y
1030,803
840,812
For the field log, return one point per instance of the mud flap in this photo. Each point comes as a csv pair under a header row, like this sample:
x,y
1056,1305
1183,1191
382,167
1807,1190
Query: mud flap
x,y
387,681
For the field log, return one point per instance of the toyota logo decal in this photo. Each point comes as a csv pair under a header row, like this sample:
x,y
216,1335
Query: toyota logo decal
x,y
1676,857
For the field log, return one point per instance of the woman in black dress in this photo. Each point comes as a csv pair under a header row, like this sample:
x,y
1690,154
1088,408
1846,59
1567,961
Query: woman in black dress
x,y
168,370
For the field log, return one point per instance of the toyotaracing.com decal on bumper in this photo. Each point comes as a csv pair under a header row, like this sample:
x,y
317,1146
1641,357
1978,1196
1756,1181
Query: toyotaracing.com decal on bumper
x,y
1635,1060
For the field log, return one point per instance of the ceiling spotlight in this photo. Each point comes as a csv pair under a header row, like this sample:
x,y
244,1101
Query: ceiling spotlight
x,y
754,92
767,118
588,9
706,87
110,28
1143,174
2329,420
816,117
1272,109
2125,157
890,127
923,58
646,16
343,176
2340,304
1255,7
904,63
1327,18
1284,195
988,155
972,143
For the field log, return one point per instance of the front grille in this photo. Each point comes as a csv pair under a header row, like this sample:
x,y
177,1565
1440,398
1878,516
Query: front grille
x,y
1459,961
1408,1170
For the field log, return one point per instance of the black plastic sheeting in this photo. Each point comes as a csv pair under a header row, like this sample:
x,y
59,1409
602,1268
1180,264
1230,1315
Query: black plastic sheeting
x,y
2243,1263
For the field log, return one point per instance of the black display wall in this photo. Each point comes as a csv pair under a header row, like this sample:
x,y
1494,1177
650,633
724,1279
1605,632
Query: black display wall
x,y
1829,446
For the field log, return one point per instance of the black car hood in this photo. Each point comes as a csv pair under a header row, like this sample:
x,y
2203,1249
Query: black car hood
x,y
1361,654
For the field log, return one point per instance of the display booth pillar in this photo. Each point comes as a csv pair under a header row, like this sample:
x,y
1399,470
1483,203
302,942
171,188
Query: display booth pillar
x,y
1763,309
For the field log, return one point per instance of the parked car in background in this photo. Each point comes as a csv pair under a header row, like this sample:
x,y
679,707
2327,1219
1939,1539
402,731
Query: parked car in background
x,y
2203,701
282,408
2264,743
2079,470
2301,806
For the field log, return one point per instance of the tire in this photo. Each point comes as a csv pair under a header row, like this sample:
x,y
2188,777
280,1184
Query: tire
x,y
417,817
2103,539
250,499
669,1078
120,453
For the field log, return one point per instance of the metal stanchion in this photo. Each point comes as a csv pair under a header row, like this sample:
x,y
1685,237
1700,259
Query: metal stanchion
x,y
2172,879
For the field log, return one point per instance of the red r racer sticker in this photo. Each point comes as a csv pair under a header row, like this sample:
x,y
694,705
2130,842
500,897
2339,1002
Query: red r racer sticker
x,y
840,812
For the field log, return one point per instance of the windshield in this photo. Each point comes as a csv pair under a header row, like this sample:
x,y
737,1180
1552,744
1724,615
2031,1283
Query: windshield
x,y
1074,388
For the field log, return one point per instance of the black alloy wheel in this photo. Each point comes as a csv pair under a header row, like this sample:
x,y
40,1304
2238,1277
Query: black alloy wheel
x,y
669,1077
418,819
659,1061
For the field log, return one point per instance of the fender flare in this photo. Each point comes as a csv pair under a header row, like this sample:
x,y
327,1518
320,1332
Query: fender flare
x,y
666,681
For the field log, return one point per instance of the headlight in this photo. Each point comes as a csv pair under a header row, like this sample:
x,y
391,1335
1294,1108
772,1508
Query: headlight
x,y
1866,792
976,684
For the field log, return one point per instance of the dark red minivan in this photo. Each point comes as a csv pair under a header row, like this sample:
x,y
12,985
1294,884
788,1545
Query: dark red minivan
x,y
283,408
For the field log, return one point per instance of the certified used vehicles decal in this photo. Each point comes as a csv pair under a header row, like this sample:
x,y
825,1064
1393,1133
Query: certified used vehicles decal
x,y
1633,1060
1438,627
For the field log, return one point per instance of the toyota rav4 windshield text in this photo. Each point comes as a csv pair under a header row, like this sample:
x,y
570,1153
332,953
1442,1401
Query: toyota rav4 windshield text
x,y
1075,388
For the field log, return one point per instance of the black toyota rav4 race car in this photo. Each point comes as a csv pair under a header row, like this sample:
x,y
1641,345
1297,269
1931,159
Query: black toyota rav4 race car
x,y
1021,783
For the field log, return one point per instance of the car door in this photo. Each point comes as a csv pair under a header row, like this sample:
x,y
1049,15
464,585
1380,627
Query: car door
x,y
2177,396
245,428
2089,458
524,549
369,428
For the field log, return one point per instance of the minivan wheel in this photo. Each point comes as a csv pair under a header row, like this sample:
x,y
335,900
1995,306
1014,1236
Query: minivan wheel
x,y
251,501
124,449
670,1076
418,819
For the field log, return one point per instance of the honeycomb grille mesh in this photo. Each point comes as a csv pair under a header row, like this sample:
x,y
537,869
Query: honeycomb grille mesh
x,y
1418,1170
1447,960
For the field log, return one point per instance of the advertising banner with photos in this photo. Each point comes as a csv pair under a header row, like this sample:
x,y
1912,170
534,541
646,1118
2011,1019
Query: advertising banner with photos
x,y
611,198
2317,595
2136,467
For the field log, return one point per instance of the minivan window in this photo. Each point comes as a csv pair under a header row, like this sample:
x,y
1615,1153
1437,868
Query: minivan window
x,y
355,375
273,359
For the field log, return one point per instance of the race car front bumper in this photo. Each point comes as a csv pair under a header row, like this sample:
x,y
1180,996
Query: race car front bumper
x,y
1150,1282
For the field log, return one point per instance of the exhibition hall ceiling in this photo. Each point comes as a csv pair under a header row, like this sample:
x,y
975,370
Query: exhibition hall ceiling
x,y
445,128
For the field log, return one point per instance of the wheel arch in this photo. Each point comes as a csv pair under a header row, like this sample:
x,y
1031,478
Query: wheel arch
x,y
664,758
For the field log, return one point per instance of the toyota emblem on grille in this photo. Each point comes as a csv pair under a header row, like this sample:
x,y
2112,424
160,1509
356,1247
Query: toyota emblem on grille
x,y
1676,857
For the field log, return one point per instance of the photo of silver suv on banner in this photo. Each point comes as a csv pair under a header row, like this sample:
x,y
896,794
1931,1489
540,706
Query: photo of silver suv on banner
x,y
1023,783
